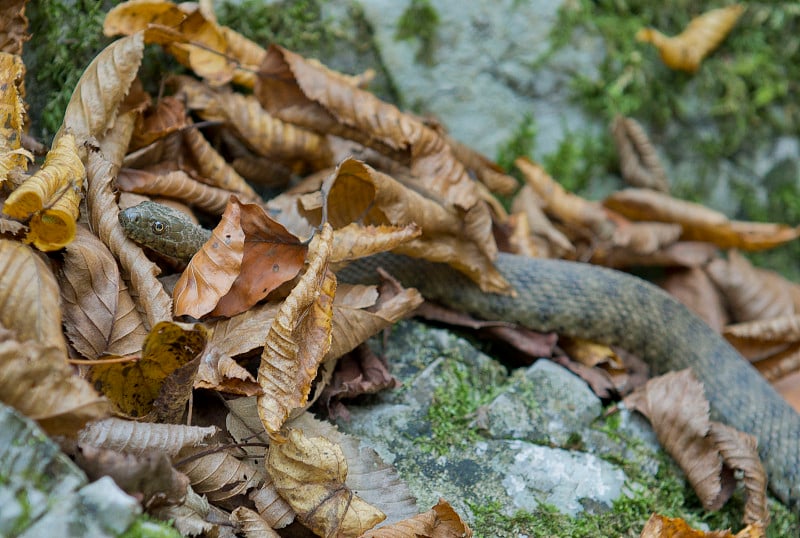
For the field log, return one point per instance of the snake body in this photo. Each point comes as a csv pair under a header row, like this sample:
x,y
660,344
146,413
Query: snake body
x,y
583,301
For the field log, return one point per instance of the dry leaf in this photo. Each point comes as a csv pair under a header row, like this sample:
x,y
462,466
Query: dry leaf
x,y
704,33
591,353
265,134
104,220
531,204
219,475
220,372
310,474
214,169
29,297
252,524
90,286
751,293
676,407
156,384
148,477
441,521
359,372
358,193
226,277
13,27
569,208
36,379
190,517
12,115
308,94
659,526
176,184
699,223
298,339
356,241
50,197
693,287
168,116
92,109
144,437
638,159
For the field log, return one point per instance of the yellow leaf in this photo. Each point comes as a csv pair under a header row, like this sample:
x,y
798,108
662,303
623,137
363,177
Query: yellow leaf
x,y
51,197
704,34
310,474
12,114
134,386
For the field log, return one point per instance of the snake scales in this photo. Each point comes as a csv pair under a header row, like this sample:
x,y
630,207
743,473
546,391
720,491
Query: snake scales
x,y
577,300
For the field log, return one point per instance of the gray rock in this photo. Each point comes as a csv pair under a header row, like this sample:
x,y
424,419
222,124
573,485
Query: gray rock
x,y
486,72
544,403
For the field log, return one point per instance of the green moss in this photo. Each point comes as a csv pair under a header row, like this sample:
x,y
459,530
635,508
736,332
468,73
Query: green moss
x,y
420,21
521,143
66,36
453,409
144,527
666,493
296,25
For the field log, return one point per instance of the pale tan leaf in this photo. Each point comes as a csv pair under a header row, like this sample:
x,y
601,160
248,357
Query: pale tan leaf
x,y
104,221
142,437
243,332
190,517
591,353
37,380
488,172
248,53
89,291
269,504
178,185
531,204
358,193
244,425
751,293
354,323
676,407
218,474
213,167
740,452
220,372
356,241
680,254
376,482
92,109
568,208
264,133
309,472
441,521
638,160
780,365
128,331
694,288
29,297
698,222
704,33
298,338
781,329
308,94
252,524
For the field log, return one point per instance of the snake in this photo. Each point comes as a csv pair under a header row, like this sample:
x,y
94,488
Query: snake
x,y
578,300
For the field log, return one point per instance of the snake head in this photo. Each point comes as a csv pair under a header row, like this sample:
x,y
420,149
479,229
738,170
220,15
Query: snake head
x,y
154,225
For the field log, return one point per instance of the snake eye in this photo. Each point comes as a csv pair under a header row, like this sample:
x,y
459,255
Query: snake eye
x,y
158,227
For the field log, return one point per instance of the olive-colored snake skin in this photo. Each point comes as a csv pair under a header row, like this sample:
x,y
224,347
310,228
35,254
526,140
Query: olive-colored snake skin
x,y
579,300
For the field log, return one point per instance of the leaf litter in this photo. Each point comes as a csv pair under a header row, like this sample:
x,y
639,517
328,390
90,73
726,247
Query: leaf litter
x,y
264,284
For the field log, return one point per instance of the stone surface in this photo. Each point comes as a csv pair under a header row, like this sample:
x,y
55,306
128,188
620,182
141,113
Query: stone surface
x,y
544,403
486,74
